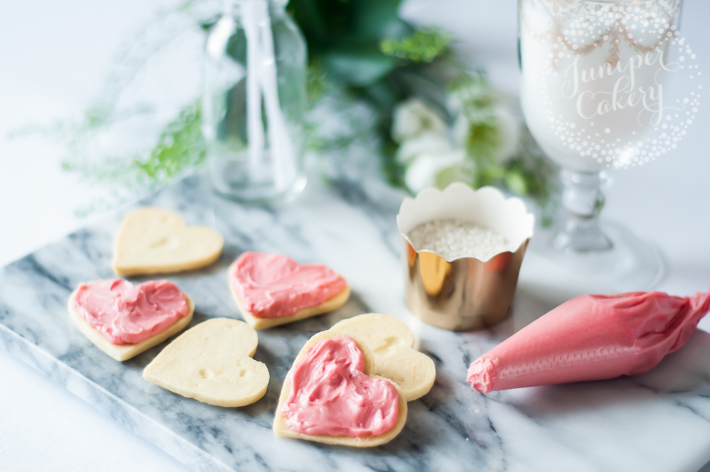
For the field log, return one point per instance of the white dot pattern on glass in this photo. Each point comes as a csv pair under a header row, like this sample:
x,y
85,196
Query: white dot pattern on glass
x,y
623,34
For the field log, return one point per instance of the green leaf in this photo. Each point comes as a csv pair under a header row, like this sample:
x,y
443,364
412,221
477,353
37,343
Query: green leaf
x,y
373,18
488,174
422,46
515,181
392,169
482,140
206,25
384,96
316,83
455,173
180,147
358,64
315,18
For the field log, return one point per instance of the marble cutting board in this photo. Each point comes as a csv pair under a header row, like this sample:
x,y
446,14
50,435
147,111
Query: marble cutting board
x,y
658,421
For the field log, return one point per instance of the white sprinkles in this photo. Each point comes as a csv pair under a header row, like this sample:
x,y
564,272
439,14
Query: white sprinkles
x,y
453,238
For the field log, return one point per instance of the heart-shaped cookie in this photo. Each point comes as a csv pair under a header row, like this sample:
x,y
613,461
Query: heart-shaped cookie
x,y
157,241
272,289
331,396
117,310
212,362
392,344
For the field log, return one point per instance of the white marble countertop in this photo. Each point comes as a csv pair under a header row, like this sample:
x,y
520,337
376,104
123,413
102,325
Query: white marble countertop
x,y
54,58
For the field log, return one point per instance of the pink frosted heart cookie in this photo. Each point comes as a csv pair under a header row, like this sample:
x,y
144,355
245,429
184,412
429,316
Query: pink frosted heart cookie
x,y
124,320
330,396
272,289
395,358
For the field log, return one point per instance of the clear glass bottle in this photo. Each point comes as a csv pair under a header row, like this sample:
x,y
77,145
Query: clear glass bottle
x,y
254,101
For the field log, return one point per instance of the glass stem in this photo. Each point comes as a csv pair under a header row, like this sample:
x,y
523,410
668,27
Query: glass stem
x,y
582,199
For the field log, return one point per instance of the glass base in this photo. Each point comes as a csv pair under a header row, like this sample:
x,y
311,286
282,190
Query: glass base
x,y
234,180
256,195
628,264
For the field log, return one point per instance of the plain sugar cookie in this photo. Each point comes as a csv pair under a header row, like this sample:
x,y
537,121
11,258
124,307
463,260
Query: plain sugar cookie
x,y
392,344
337,370
212,362
123,352
157,241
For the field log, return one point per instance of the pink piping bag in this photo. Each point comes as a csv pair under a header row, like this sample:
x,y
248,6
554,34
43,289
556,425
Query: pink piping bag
x,y
592,337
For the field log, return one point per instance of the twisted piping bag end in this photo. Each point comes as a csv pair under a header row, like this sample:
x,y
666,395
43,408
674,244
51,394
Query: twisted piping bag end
x,y
699,307
701,303
482,373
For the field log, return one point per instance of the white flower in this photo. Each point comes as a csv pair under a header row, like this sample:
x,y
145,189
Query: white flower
x,y
427,143
412,118
425,170
507,125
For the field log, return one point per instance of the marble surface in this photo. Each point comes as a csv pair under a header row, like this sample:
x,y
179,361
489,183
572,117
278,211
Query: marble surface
x,y
656,421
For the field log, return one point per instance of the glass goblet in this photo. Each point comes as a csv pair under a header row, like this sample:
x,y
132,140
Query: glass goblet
x,y
592,77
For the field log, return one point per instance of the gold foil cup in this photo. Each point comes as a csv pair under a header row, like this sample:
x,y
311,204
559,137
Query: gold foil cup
x,y
465,293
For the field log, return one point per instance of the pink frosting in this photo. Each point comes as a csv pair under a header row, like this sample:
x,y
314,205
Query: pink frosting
x,y
331,395
273,286
128,314
591,337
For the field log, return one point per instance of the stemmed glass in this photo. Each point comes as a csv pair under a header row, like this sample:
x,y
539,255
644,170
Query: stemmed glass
x,y
591,75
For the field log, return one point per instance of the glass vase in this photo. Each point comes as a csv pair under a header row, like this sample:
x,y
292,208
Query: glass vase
x,y
254,101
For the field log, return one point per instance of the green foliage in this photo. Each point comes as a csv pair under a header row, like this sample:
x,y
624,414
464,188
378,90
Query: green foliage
x,y
327,24
361,64
482,141
364,47
422,46
392,169
528,173
347,38
180,147
483,136
360,51
317,83
179,150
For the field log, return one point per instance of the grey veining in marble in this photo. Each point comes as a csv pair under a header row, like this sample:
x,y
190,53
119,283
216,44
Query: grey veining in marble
x,y
657,421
